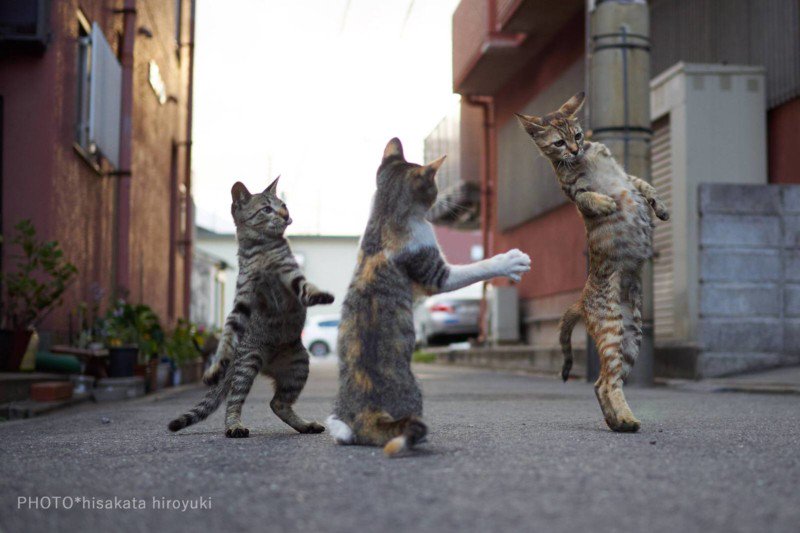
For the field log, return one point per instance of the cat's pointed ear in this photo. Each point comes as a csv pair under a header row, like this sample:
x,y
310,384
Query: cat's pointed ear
x,y
433,167
532,125
393,149
272,188
573,105
239,192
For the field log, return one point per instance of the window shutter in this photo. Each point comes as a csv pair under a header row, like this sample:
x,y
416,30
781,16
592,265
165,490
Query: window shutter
x,y
106,97
663,264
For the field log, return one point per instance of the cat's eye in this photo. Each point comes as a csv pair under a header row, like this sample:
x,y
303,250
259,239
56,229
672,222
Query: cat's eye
x,y
267,209
578,136
559,143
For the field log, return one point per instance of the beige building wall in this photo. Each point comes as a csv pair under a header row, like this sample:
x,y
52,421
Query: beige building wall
x,y
328,262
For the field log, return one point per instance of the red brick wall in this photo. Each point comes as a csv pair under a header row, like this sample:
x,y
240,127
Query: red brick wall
x,y
456,244
556,240
46,180
783,143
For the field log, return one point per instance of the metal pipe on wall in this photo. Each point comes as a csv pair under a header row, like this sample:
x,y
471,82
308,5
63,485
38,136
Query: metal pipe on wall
x,y
619,102
487,175
173,230
189,237
122,271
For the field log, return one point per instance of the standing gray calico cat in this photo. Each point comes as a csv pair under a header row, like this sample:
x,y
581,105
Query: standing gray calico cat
x,y
615,208
379,402
262,333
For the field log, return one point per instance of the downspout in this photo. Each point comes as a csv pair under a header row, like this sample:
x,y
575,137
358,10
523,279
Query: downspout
x,y
173,230
487,180
189,237
122,269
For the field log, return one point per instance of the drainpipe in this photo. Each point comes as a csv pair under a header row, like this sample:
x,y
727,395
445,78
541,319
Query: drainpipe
x,y
173,230
189,237
619,73
122,270
497,39
487,179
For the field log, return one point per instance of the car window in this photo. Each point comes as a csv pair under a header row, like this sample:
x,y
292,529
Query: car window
x,y
329,324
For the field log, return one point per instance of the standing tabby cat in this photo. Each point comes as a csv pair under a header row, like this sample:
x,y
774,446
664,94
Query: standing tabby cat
x,y
262,333
615,208
379,402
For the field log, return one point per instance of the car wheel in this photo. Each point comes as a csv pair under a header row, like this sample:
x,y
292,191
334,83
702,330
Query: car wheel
x,y
319,349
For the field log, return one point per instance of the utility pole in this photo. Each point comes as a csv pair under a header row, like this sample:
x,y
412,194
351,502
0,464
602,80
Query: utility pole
x,y
619,107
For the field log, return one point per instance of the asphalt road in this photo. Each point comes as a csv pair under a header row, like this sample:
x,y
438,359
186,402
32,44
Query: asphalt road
x,y
506,453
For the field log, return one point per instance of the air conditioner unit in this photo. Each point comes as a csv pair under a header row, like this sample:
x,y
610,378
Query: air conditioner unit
x,y
709,126
24,23
504,314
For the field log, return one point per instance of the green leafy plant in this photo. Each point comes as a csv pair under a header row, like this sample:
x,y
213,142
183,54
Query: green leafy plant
x,y
38,280
134,325
88,317
182,344
423,357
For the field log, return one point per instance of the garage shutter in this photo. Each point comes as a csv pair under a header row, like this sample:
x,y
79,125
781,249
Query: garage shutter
x,y
663,268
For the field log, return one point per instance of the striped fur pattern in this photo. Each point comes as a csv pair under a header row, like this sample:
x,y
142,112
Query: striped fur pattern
x,y
616,210
379,402
262,333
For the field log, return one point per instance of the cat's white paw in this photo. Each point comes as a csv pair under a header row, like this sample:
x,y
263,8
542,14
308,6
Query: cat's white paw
x,y
513,264
341,432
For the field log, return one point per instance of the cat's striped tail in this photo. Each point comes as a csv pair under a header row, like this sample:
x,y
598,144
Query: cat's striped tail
x,y
565,327
208,404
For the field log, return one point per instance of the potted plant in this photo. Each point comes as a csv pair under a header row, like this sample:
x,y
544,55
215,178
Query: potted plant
x,y
119,331
30,290
181,348
133,334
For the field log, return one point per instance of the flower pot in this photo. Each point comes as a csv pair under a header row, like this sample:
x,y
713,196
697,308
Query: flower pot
x,y
191,372
163,371
13,344
122,361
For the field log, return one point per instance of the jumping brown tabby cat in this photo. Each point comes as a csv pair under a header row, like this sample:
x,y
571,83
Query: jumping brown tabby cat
x,y
616,212
379,402
262,333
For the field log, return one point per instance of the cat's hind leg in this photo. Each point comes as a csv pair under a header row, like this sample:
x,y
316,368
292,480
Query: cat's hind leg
x,y
290,372
245,370
378,428
605,320
631,307
340,431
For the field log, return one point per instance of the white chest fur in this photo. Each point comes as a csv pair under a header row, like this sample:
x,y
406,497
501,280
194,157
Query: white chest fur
x,y
421,235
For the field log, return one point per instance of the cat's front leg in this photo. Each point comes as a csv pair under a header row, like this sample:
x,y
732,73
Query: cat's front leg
x,y
594,204
651,195
511,264
308,293
314,296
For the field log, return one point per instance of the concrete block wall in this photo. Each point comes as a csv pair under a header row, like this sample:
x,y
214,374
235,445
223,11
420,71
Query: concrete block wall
x,y
749,308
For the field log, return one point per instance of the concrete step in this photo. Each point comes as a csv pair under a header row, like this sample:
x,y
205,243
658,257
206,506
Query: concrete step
x,y
30,408
520,358
16,386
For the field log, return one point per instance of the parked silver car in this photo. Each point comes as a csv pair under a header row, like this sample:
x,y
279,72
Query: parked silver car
x,y
448,315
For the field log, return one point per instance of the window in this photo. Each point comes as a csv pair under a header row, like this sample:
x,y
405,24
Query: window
x,y
329,324
99,94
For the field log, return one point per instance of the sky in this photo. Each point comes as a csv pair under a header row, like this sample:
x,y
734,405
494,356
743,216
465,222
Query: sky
x,y
313,90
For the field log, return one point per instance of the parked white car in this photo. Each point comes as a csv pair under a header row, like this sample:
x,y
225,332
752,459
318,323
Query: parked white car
x,y
448,315
319,334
